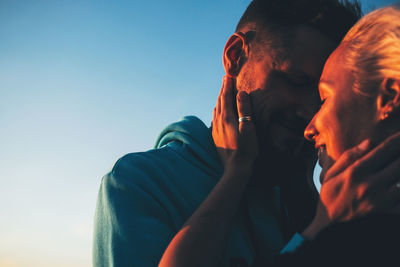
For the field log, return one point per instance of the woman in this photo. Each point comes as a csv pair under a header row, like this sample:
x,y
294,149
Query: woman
x,y
360,90
360,94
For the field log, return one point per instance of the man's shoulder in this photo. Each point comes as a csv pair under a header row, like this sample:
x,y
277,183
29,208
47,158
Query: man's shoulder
x,y
171,162
143,160
137,166
184,157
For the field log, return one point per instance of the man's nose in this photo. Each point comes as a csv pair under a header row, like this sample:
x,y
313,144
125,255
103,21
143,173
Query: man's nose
x,y
310,132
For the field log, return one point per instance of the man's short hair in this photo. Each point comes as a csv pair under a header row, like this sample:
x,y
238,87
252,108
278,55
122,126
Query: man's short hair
x,y
273,18
371,49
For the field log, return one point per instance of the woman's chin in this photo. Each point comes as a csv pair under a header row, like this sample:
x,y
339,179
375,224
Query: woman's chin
x,y
322,175
325,164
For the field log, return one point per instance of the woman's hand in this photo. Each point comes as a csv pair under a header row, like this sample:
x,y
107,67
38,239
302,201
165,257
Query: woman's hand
x,y
361,181
203,239
236,141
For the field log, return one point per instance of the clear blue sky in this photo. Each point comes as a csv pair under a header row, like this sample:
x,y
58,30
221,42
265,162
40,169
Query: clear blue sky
x,y
81,84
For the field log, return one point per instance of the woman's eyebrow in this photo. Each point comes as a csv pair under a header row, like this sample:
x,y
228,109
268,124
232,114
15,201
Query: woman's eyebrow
x,y
324,86
325,82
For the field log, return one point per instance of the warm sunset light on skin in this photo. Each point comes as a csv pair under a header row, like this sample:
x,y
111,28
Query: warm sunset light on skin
x,y
332,128
360,106
83,83
357,95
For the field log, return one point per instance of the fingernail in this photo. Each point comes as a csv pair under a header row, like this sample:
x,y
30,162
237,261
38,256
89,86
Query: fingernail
x,y
364,145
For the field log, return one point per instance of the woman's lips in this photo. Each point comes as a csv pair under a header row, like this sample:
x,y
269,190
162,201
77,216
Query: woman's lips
x,y
324,161
321,155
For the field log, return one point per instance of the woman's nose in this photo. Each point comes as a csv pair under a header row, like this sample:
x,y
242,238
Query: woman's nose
x,y
310,132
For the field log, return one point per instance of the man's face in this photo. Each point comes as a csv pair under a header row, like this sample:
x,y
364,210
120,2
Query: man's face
x,y
282,85
345,117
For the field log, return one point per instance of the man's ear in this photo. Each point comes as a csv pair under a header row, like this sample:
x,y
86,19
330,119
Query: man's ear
x,y
388,98
235,54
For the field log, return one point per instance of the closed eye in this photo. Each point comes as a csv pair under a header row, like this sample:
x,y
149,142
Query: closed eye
x,y
301,81
321,103
298,80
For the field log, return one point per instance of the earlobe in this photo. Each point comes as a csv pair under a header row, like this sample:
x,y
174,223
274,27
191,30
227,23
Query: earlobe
x,y
389,98
235,54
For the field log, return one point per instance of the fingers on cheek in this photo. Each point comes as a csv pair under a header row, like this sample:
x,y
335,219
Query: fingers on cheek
x,y
353,176
368,207
364,193
243,103
225,92
331,190
339,167
337,189
224,108
225,95
214,115
219,106
350,157
222,87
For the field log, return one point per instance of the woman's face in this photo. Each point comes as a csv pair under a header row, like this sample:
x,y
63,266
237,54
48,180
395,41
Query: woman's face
x,y
345,118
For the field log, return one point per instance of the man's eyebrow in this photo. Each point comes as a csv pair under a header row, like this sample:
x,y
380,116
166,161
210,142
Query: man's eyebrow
x,y
293,70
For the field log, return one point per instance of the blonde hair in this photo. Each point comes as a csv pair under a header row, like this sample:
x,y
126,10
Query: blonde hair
x,y
372,49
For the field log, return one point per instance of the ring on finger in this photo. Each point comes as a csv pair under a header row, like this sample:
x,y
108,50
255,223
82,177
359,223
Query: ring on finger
x,y
245,118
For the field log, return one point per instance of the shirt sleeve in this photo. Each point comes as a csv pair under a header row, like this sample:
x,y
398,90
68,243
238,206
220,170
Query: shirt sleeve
x,y
131,227
293,244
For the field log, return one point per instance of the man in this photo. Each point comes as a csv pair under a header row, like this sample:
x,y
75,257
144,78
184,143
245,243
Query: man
x,y
276,55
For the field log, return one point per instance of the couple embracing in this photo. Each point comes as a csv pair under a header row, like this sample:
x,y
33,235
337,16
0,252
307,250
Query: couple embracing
x,y
239,193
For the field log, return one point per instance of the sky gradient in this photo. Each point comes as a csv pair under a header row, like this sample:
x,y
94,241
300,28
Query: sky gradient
x,y
83,83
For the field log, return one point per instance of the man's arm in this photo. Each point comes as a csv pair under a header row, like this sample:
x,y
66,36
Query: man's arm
x,y
203,238
131,227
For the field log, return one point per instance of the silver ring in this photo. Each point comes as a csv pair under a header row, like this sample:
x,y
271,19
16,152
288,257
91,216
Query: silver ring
x,y
398,185
245,118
